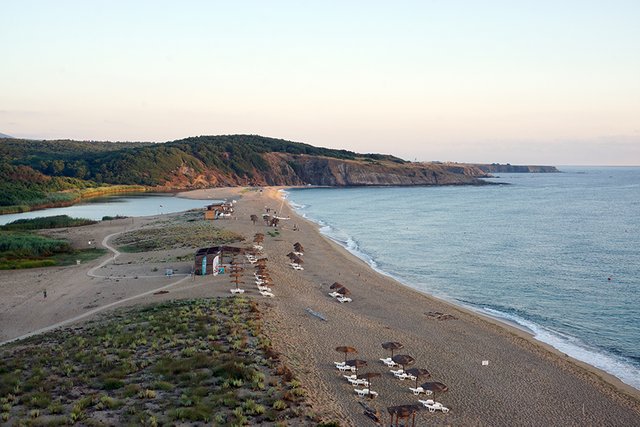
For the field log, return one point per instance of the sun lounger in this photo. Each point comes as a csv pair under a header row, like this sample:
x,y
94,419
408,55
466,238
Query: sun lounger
x,y
299,253
344,299
398,372
350,377
264,288
434,406
340,363
426,402
419,390
267,294
296,266
365,391
344,368
403,377
335,294
237,291
357,381
258,247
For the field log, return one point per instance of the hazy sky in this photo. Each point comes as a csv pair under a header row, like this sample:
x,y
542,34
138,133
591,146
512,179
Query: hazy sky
x,y
554,82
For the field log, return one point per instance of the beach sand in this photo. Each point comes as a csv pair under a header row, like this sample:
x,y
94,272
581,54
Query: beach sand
x,y
525,382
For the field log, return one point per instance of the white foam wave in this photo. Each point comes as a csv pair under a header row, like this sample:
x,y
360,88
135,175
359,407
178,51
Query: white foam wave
x,y
615,365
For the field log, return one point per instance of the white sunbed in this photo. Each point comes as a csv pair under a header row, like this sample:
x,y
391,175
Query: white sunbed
x,y
357,381
404,376
350,377
398,372
236,291
390,363
335,294
419,390
264,288
340,363
299,253
344,368
258,247
267,294
365,391
344,299
436,406
427,402
296,266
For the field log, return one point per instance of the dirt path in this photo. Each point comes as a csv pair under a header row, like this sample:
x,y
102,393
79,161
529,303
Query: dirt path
x,y
91,273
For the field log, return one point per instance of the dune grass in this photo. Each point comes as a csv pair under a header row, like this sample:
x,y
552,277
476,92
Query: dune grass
x,y
196,361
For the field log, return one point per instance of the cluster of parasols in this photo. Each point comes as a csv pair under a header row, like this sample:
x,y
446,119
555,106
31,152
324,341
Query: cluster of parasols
x,y
262,278
340,292
399,360
295,257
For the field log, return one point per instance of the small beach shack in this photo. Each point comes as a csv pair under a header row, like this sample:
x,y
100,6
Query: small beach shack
x,y
209,260
218,210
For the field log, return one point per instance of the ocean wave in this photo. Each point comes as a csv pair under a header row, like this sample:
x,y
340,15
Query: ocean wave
x,y
618,366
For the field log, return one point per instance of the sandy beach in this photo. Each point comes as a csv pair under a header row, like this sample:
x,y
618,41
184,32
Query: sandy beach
x,y
525,382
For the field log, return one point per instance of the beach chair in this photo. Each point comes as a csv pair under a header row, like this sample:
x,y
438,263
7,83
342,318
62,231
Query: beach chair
x,y
335,294
419,390
339,363
344,368
397,372
365,391
427,402
344,299
267,294
387,361
297,266
357,381
264,288
299,253
350,377
404,376
236,291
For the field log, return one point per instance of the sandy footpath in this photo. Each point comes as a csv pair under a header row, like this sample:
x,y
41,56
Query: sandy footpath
x,y
525,383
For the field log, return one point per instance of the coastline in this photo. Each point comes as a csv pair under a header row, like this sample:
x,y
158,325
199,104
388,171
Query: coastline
x,y
605,383
525,383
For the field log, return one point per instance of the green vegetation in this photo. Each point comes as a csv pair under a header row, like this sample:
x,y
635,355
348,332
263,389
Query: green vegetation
x,y
27,250
58,221
189,234
54,173
197,361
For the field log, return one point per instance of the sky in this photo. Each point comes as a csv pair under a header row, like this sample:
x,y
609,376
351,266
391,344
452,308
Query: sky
x,y
545,82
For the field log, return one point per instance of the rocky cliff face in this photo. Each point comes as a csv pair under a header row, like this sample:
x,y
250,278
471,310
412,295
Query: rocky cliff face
x,y
299,169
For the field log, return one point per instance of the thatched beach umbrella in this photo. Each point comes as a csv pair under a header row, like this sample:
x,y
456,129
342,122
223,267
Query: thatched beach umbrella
x,y
346,349
403,360
336,285
297,260
367,376
298,247
356,363
392,345
418,373
344,291
404,412
291,255
435,387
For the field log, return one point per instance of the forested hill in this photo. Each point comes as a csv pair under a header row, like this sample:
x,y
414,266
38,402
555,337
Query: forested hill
x,y
30,170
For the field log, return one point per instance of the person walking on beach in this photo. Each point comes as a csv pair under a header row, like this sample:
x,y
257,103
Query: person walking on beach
x,y
44,293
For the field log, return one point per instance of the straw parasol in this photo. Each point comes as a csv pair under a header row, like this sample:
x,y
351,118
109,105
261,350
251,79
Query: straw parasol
x,y
404,412
291,255
403,360
392,345
297,260
344,291
336,285
435,387
418,372
346,349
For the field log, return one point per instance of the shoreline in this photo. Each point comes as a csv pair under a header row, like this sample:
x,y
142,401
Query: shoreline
x,y
502,321
279,193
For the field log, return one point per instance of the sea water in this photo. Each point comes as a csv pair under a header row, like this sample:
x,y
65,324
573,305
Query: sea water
x,y
558,254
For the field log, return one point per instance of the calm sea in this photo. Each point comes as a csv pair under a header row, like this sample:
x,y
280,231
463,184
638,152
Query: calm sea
x,y
143,204
558,254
